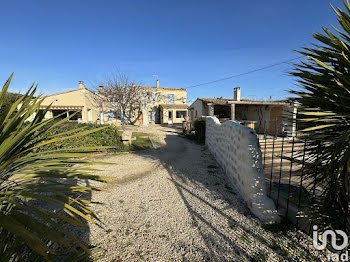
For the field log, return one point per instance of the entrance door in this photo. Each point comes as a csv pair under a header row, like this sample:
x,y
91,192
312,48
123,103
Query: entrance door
x,y
170,117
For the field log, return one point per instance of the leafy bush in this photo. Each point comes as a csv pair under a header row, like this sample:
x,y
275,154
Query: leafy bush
x,y
107,137
199,128
10,98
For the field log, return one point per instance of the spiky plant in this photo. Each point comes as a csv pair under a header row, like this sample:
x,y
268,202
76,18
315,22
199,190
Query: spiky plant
x,y
40,192
324,115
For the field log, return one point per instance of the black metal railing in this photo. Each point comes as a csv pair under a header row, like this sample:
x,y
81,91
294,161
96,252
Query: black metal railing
x,y
284,162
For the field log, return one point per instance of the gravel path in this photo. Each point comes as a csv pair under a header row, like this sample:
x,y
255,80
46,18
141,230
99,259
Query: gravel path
x,y
173,203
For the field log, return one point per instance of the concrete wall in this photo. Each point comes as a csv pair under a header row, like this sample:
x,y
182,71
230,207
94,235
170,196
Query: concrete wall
x,y
237,150
258,113
197,106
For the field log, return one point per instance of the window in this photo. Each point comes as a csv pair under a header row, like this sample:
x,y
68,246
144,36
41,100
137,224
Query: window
x,y
171,98
181,114
111,115
113,99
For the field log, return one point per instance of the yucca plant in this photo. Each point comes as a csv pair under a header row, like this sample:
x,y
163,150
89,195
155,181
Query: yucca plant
x,y
323,97
41,192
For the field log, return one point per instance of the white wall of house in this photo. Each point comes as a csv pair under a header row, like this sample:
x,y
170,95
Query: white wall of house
x,y
198,110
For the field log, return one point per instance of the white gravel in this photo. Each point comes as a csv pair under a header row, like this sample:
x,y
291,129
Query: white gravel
x,y
173,203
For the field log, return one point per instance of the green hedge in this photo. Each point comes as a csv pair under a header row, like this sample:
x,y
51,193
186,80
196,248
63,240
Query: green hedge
x,y
199,128
10,98
105,137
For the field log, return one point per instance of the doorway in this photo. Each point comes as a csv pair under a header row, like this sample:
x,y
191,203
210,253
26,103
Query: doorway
x,y
170,117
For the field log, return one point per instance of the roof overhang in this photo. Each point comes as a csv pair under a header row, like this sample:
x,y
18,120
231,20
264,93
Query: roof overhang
x,y
62,107
174,106
272,103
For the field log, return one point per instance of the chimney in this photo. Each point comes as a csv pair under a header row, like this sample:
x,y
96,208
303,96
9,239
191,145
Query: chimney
x,y
157,83
237,94
81,85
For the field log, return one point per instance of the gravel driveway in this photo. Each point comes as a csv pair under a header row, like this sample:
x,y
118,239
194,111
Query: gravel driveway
x,y
173,203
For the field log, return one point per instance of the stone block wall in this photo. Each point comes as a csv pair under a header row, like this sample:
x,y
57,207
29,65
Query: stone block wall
x,y
236,148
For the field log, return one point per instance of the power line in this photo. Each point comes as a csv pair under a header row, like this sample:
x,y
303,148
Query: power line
x,y
246,73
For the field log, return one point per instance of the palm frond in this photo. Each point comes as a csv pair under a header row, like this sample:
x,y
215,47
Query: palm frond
x,y
41,192
324,120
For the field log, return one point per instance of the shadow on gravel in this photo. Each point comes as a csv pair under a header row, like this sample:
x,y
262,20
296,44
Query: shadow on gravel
x,y
192,169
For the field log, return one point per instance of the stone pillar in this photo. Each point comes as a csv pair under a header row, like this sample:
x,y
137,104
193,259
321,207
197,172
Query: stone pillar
x,y
210,109
233,112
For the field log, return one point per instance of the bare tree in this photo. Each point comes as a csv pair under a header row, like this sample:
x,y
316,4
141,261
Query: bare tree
x,y
127,99
120,95
148,99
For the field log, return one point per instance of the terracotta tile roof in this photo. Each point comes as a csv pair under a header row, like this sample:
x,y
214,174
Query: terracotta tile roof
x,y
220,101
174,106
226,101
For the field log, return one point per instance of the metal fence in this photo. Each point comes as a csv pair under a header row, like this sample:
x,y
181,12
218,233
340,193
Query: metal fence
x,y
284,162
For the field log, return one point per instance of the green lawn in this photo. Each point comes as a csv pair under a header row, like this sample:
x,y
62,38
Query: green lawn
x,y
142,141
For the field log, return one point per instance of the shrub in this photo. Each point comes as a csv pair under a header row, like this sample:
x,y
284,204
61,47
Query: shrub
x,y
199,128
107,137
10,98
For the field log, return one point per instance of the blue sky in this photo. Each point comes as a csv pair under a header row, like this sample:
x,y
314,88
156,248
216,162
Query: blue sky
x,y
185,42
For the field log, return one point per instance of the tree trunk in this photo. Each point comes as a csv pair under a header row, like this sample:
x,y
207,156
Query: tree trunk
x,y
145,120
123,118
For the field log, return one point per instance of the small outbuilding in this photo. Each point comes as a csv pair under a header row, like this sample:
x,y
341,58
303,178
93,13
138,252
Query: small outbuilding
x,y
264,116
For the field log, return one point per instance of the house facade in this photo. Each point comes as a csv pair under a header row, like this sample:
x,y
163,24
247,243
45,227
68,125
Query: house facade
x,y
171,107
79,101
264,116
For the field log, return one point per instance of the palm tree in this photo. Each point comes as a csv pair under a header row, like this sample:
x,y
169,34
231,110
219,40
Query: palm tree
x,y
323,97
36,201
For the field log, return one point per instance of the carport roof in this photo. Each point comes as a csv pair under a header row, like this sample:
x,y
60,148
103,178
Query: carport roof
x,y
219,101
227,101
